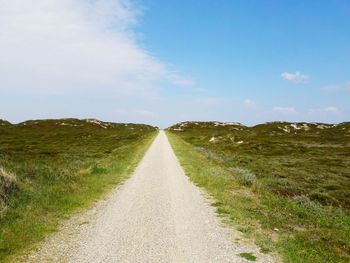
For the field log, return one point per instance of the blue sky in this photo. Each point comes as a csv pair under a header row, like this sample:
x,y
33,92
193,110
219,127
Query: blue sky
x,y
238,49
228,60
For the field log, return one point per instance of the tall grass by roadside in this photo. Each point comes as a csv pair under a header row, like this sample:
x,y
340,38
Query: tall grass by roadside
x,y
299,228
8,184
51,169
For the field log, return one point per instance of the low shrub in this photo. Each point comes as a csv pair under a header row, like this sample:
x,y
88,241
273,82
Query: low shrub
x,y
244,176
323,198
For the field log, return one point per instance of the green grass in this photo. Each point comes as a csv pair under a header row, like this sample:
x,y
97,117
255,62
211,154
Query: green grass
x,y
61,167
288,191
248,256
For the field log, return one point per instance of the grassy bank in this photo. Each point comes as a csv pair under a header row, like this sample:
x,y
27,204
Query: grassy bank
x,y
51,169
286,190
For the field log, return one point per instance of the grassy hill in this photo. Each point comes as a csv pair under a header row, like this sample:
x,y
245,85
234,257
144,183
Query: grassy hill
x,y
285,184
52,168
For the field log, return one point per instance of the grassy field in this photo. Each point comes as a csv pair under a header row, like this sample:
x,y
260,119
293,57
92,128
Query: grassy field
x,y
52,168
287,185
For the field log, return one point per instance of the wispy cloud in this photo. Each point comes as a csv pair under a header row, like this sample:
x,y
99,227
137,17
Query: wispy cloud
x,y
329,110
249,104
180,80
296,77
75,46
284,110
339,87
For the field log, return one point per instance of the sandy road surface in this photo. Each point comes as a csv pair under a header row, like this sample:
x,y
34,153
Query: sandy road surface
x,y
158,215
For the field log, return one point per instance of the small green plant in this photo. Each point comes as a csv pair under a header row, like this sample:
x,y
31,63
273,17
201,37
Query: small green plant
x,y
97,169
248,256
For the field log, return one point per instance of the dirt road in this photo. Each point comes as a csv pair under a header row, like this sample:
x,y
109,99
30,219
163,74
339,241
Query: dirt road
x,y
158,215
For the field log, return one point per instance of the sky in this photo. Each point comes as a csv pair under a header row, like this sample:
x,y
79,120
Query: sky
x,y
162,62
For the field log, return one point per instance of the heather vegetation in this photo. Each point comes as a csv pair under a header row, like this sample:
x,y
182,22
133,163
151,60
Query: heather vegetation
x,y
285,184
52,168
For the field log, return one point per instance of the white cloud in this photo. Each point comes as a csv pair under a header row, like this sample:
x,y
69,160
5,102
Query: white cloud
x,y
75,46
296,77
181,81
249,104
340,87
332,109
328,110
284,110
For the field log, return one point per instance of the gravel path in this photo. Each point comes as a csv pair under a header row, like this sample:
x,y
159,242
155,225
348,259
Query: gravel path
x,y
157,215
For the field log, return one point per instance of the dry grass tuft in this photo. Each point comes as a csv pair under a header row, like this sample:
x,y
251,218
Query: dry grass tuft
x,y
8,184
